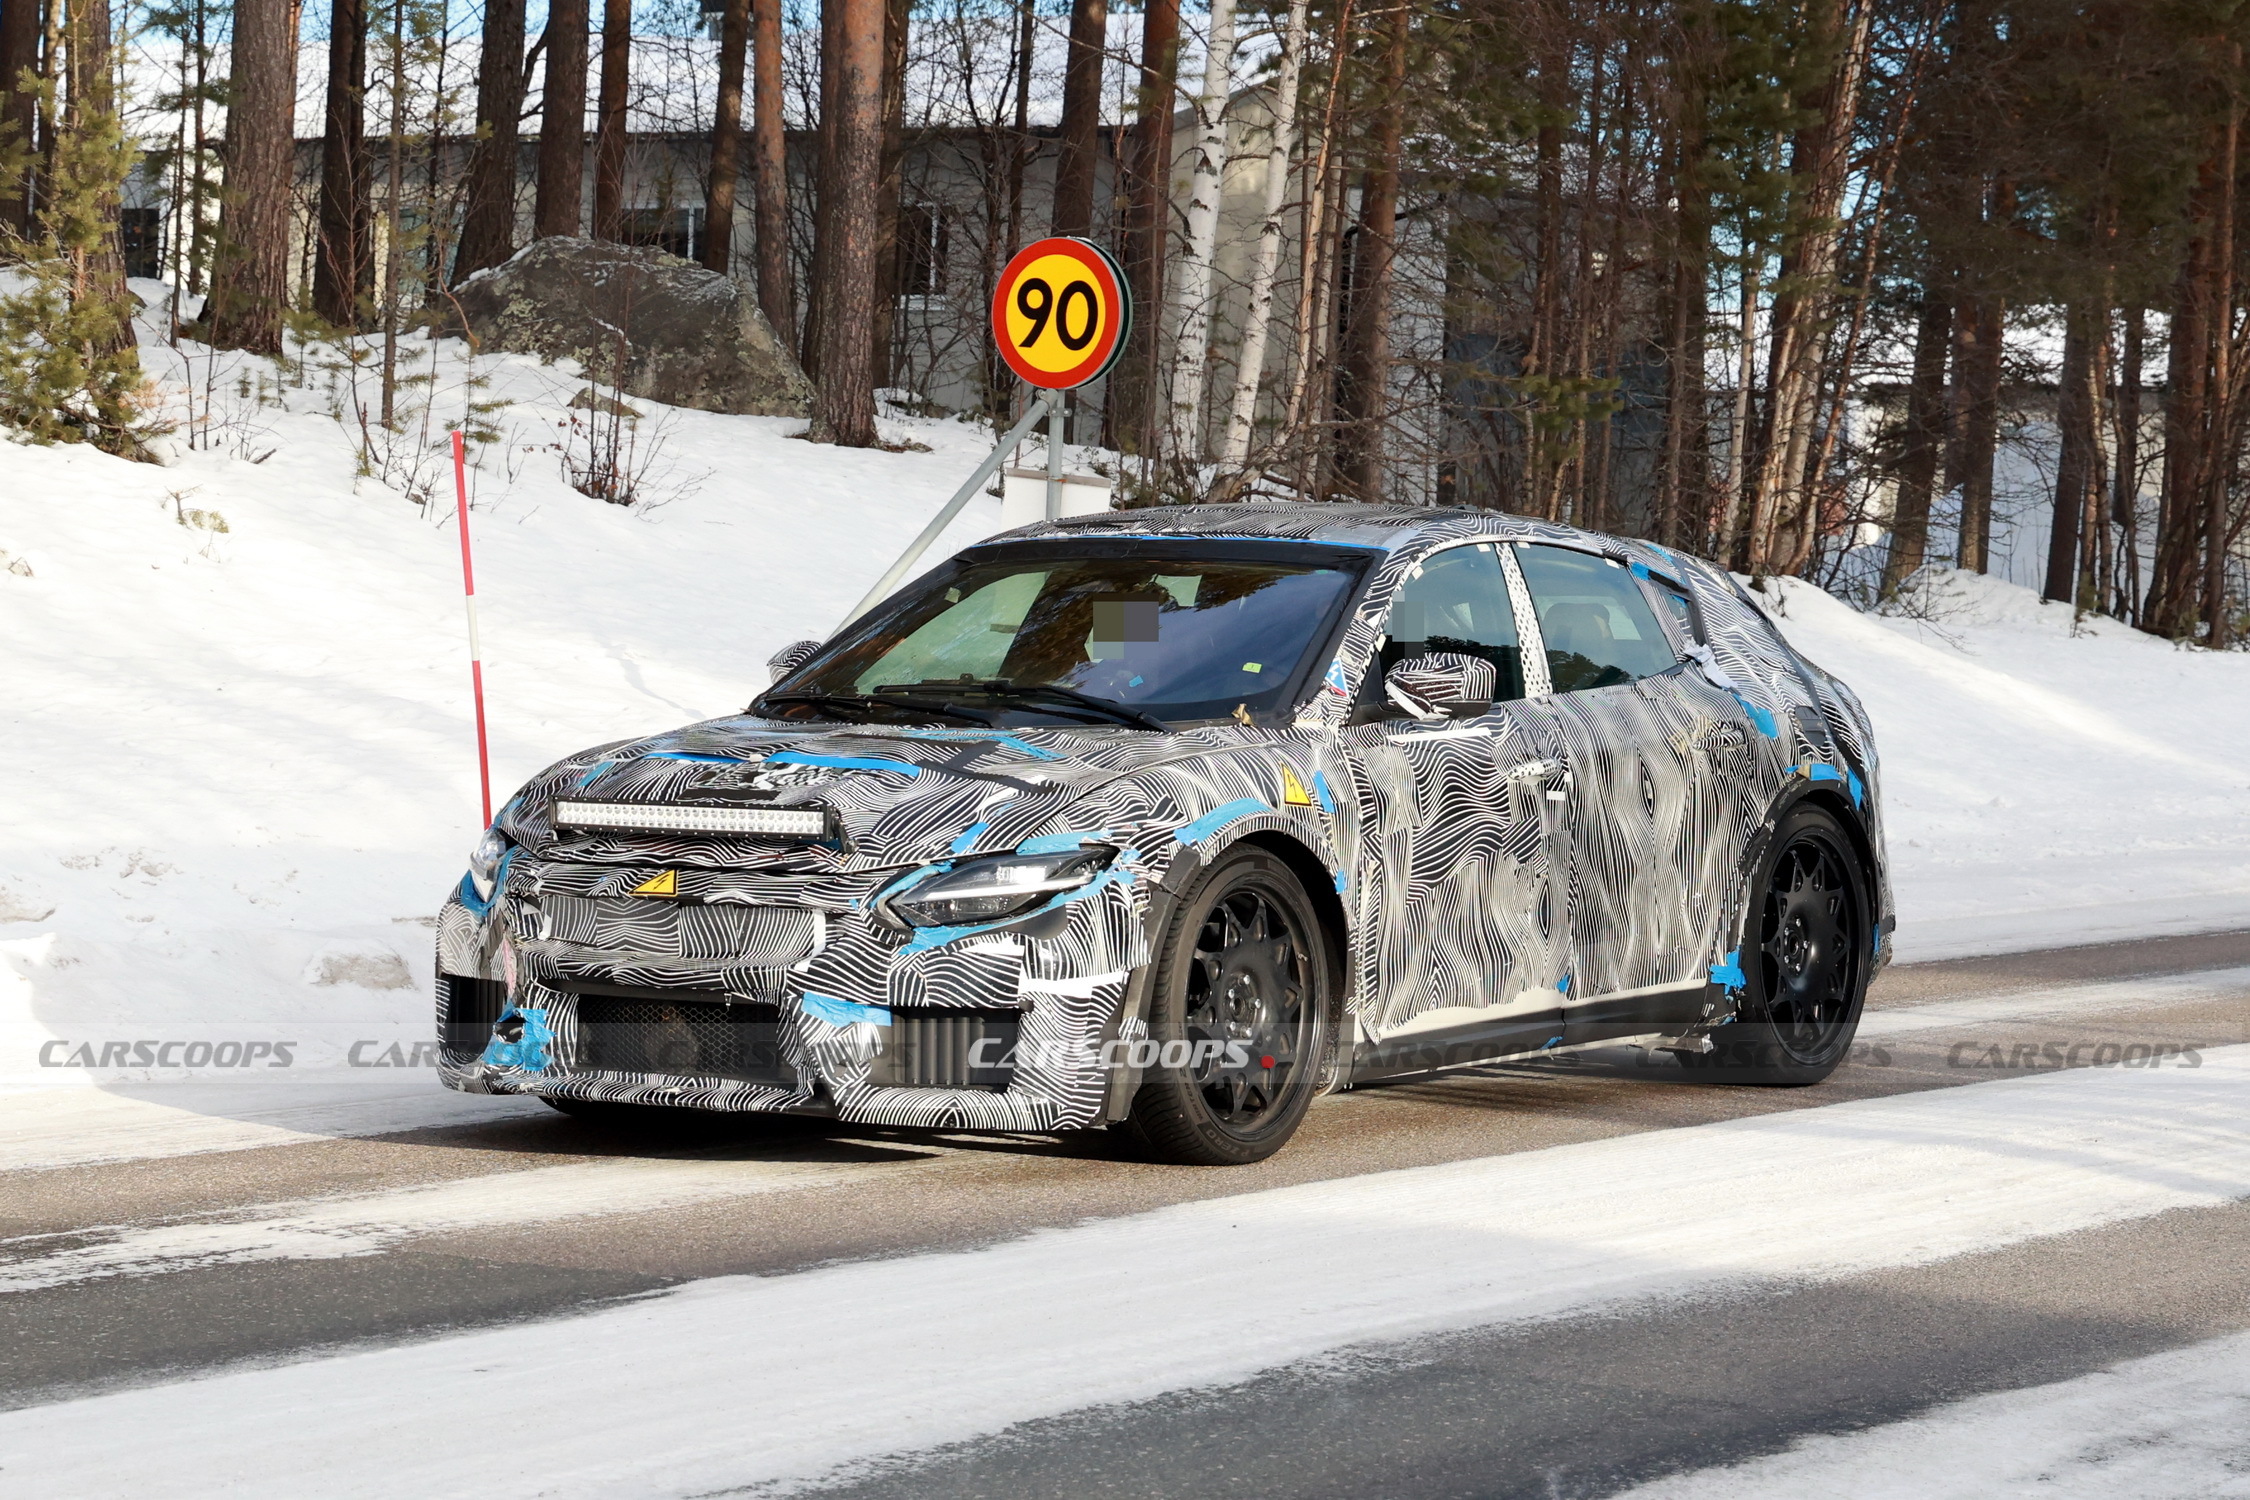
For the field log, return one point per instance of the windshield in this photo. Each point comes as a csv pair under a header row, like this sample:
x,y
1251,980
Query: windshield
x,y
1171,635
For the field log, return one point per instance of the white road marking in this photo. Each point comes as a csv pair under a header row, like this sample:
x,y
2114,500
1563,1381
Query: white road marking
x,y
369,1223
2061,1000
2174,1424
745,1380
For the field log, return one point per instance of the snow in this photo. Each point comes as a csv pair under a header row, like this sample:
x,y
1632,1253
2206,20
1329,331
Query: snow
x,y
240,761
2045,781
237,734
742,1380
2175,1425
354,1224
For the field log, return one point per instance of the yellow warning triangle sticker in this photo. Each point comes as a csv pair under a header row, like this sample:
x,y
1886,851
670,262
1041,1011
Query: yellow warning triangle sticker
x,y
662,883
1293,790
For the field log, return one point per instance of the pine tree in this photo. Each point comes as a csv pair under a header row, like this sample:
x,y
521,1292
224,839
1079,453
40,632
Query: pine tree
x,y
69,370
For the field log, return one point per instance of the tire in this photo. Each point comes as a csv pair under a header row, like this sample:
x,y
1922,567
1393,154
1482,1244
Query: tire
x,y
1243,960
1806,953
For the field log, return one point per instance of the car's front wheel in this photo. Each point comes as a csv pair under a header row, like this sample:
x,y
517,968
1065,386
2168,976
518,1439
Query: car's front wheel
x,y
1806,956
1239,1016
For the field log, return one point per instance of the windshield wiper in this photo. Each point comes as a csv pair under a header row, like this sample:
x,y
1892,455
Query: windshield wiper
x,y
1058,698
868,707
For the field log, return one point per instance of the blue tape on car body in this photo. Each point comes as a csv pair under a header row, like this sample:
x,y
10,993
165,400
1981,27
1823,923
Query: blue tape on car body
x,y
844,1012
1218,818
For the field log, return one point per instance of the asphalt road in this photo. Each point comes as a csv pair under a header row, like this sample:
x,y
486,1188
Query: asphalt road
x,y
144,1271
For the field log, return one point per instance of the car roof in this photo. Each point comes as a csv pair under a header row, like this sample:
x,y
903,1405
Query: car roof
x,y
1388,527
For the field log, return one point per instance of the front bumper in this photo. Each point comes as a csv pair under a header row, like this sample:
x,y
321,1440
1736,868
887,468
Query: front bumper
x,y
767,993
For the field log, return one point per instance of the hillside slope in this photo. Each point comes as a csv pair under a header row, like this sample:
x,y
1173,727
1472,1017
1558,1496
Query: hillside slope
x,y
240,767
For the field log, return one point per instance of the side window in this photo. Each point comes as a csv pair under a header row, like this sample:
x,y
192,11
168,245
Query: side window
x,y
1598,626
1457,602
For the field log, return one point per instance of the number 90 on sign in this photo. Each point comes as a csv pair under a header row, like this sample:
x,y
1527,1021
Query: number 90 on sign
x,y
1060,313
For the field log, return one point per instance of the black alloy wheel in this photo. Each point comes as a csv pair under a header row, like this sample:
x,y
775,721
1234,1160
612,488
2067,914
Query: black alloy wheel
x,y
1806,956
1239,1018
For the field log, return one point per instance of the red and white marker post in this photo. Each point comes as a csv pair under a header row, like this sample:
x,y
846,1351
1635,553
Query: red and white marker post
x,y
469,591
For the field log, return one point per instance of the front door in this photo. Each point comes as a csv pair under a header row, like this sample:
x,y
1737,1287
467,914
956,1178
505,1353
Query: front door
x,y
1468,911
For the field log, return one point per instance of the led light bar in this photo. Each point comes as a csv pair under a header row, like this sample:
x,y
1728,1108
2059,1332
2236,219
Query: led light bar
x,y
674,817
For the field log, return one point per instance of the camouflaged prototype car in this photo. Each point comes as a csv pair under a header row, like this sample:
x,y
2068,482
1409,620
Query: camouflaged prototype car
x,y
1174,819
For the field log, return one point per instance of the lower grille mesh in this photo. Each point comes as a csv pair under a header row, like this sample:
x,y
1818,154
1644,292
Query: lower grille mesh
x,y
948,1049
698,1038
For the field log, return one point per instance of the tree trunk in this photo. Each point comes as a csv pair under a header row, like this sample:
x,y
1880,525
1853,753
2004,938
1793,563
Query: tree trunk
x,y
99,267
726,140
250,282
2219,453
609,131
2125,493
1364,394
1924,444
488,225
562,122
1979,412
343,272
1080,141
2170,609
1682,480
1782,520
19,107
1147,229
890,191
1258,319
1192,347
2074,464
777,280
824,186
844,388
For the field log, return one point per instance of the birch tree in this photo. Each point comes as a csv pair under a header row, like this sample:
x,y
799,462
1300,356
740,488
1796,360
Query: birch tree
x,y
1191,351
1257,322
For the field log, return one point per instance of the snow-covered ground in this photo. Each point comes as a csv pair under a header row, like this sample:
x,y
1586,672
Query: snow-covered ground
x,y
240,766
691,1402
2046,781
2173,1425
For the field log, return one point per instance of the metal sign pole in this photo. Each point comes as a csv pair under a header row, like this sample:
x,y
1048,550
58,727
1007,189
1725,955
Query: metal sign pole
x,y
1054,455
944,518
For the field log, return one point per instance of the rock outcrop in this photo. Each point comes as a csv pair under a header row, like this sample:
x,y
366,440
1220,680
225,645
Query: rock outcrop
x,y
660,327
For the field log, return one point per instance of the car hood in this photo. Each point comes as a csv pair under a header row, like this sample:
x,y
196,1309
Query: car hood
x,y
901,795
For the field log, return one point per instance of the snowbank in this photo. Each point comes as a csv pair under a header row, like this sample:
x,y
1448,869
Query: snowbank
x,y
2046,782
235,740
239,764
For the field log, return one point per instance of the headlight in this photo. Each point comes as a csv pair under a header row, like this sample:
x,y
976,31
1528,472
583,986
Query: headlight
x,y
986,890
484,861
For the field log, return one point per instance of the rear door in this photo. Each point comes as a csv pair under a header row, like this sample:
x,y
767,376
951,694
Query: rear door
x,y
1619,727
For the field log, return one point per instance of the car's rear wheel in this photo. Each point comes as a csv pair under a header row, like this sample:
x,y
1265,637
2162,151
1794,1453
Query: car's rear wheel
x,y
1805,955
1239,1016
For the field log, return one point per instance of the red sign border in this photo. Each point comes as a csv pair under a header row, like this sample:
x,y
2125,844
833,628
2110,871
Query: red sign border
x,y
1106,271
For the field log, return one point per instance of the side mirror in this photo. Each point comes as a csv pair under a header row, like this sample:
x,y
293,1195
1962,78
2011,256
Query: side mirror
x,y
792,656
1442,685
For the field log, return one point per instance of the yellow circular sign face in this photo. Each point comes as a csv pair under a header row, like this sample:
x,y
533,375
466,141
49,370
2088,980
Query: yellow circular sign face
x,y
1059,313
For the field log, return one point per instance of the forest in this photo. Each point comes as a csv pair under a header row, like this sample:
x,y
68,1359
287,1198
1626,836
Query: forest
x,y
1839,289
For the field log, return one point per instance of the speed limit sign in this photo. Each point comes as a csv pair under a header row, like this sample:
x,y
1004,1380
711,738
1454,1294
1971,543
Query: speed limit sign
x,y
1061,312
